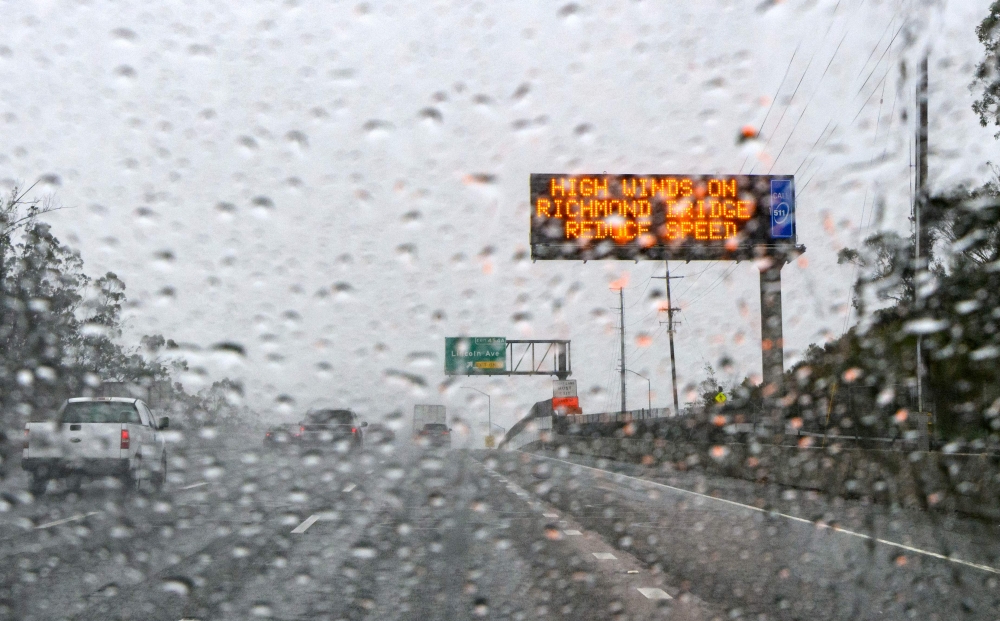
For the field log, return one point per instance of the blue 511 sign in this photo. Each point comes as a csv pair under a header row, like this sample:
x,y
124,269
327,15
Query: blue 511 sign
x,y
782,209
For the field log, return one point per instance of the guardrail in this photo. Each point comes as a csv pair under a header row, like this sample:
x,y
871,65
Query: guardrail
x,y
946,481
537,429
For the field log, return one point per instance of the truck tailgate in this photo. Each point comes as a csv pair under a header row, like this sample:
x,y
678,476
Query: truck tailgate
x,y
76,441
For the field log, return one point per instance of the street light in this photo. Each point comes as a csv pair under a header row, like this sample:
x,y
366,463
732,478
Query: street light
x,y
489,408
649,390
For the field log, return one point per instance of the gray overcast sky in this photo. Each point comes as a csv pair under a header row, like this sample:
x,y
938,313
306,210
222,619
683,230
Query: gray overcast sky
x,y
300,177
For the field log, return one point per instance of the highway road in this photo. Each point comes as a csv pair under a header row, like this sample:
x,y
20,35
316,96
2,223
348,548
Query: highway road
x,y
242,533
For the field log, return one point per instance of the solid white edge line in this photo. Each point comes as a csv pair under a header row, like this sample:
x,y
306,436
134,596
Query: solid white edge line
x,y
304,526
820,525
194,485
65,520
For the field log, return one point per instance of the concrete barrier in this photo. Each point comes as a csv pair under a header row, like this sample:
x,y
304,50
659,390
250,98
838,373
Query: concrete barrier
x,y
535,431
965,483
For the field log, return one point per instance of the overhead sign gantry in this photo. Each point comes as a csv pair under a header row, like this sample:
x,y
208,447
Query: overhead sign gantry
x,y
674,217
496,355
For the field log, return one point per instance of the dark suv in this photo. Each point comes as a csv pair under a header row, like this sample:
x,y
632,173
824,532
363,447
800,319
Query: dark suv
x,y
435,434
335,428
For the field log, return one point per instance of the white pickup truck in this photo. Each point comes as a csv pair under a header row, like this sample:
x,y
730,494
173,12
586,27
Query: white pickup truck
x,y
96,437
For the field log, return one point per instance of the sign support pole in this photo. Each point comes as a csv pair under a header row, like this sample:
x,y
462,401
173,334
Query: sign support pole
x,y
772,341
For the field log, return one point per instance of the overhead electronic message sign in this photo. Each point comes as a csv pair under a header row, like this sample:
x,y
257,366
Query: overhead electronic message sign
x,y
657,217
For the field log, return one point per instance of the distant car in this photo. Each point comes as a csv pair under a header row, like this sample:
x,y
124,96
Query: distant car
x,y
377,433
434,435
93,437
334,428
281,436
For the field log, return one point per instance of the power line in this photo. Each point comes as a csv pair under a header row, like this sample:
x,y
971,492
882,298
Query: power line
x,y
806,107
808,181
860,110
825,71
879,42
878,123
781,118
860,72
862,229
697,276
818,138
775,98
802,78
715,283
881,82
659,332
879,62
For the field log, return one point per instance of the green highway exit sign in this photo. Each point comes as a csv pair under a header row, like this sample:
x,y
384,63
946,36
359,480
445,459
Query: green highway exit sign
x,y
475,355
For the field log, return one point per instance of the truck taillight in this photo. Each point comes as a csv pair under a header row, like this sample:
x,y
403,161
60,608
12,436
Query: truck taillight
x,y
26,439
354,429
125,439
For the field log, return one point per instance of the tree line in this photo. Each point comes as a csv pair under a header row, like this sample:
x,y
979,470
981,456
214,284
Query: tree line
x,y
864,382
61,330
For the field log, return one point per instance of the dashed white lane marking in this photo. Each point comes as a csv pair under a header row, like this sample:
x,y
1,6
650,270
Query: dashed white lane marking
x,y
65,520
572,533
551,515
818,525
653,593
194,485
350,487
605,556
304,526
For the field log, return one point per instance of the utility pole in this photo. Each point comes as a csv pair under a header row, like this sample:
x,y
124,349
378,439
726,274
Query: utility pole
x,y
921,249
621,319
670,333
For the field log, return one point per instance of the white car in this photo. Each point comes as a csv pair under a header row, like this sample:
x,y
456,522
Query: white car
x,y
96,437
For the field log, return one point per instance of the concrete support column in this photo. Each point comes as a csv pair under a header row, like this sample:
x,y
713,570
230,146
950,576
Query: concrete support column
x,y
772,343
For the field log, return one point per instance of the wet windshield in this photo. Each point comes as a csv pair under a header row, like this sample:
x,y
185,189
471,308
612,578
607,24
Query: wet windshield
x,y
520,310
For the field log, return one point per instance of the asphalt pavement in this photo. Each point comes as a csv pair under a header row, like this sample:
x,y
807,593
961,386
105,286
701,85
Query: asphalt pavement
x,y
241,532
